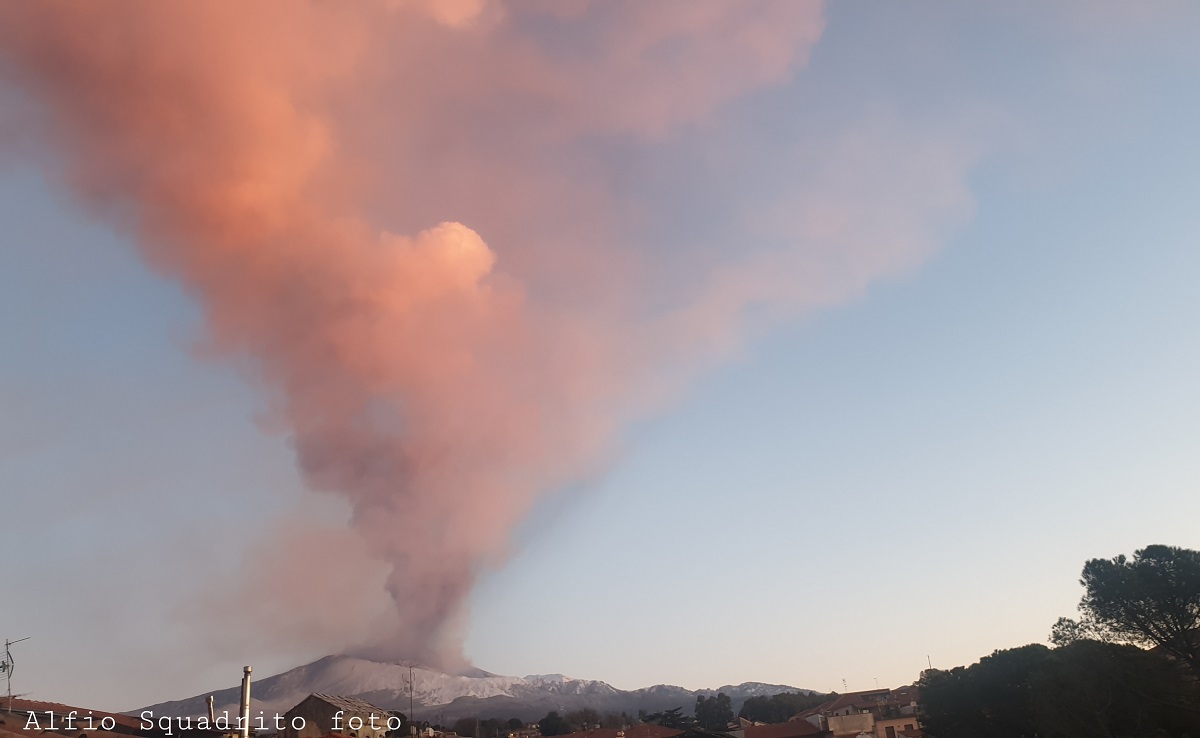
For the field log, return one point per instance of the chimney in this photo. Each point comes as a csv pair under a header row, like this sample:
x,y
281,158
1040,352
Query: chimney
x,y
245,715
212,713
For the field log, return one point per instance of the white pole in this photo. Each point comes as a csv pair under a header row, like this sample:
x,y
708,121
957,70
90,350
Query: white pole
x,y
245,726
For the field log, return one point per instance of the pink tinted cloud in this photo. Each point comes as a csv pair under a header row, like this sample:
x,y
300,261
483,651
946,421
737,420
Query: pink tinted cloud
x,y
304,169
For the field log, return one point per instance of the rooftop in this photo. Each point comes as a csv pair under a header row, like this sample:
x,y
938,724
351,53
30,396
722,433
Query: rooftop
x,y
350,704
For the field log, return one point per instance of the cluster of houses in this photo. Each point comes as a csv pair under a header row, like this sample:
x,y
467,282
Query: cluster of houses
x,y
877,713
880,713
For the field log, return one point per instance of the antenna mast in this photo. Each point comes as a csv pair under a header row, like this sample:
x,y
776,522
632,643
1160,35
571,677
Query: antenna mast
x,y
7,665
412,720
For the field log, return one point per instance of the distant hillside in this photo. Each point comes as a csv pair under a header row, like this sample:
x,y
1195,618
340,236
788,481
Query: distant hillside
x,y
445,697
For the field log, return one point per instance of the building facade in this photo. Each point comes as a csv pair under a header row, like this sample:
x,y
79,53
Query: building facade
x,y
322,714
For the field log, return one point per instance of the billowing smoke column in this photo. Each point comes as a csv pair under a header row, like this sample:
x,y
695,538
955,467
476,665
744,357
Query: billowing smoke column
x,y
393,217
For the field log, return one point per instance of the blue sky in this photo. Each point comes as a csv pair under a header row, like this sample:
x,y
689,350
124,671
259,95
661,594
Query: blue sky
x,y
918,472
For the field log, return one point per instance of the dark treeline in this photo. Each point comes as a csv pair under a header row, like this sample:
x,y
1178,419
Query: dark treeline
x,y
1081,690
712,714
1128,668
577,720
779,708
672,718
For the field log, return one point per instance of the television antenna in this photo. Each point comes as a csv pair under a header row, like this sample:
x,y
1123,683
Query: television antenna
x,y
8,665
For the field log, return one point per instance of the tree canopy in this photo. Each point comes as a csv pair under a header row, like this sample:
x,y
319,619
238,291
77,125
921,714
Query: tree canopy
x,y
1100,680
583,719
779,708
553,724
1081,690
714,713
403,729
673,718
1150,600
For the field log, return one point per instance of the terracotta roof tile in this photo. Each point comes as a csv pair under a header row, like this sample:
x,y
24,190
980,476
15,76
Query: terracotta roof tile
x,y
350,704
24,706
645,730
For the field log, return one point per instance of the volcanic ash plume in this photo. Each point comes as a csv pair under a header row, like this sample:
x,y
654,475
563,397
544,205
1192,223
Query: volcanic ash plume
x,y
378,206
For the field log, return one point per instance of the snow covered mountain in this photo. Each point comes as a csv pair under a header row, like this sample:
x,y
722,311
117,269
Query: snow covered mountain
x,y
440,697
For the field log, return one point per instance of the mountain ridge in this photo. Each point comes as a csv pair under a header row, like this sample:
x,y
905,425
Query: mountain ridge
x,y
440,697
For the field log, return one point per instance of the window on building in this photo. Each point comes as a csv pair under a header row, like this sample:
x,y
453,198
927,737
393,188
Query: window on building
x,y
891,731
